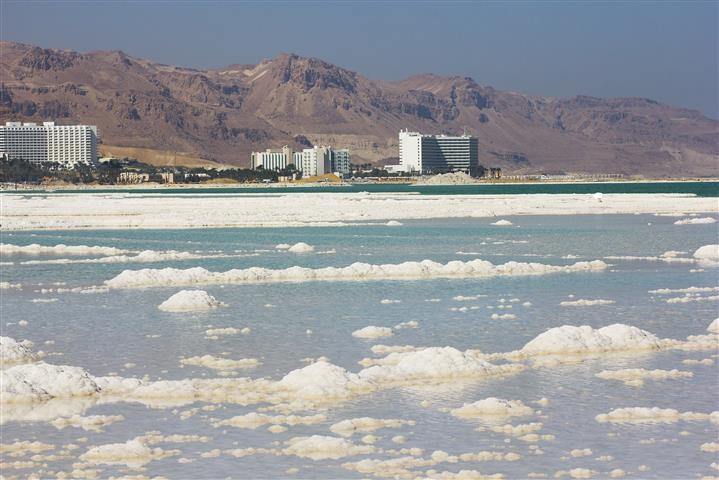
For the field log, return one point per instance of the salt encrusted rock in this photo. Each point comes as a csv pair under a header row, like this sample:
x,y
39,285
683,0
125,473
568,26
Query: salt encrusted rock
x,y
569,339
373,332
42,381
301,247
13,352
707,252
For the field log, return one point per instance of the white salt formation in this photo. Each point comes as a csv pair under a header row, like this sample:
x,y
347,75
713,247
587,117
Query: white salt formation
x,y
134,454
190,301
707,252
121,210
373,332
60,249
492,408
357,271
319,447
502,223
10,286
714,326
219,363
586,303
696,221
638,415
393,223
301,247
585,339
347,428
42,381
13,352
635,377
94,423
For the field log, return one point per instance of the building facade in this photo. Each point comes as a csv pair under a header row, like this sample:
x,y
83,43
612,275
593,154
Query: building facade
x,y
272,158
316,161
68,145
341,161
429,154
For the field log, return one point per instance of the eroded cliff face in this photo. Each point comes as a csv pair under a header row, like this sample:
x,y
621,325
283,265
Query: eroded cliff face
x,y
224,114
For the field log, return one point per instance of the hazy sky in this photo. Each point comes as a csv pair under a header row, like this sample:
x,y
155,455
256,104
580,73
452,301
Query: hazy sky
x,y
666,51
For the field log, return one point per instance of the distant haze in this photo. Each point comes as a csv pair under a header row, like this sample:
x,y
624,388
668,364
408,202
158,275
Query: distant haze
x,y
664,51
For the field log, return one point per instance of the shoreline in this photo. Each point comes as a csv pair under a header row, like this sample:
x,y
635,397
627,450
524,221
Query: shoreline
x,y
270,186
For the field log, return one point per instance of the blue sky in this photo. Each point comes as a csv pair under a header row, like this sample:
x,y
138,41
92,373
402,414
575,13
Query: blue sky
x,y
666,51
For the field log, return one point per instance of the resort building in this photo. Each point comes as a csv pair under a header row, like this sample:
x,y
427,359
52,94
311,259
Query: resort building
x,y
67,145
341,161
315,161
272,159
429,154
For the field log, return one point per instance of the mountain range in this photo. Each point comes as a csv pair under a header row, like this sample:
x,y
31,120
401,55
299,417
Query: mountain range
x,y
166,114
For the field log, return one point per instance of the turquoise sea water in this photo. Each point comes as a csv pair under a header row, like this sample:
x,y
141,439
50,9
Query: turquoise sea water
x,y
702,189
104,333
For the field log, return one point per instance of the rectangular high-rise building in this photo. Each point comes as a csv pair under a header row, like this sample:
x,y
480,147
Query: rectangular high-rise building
x,y
67,145
430,154
341,161
272,159
316,161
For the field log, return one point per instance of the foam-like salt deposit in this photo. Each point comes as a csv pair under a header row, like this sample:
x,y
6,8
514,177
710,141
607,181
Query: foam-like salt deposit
x,y
357,271
586,303
502,223
216,332
393,223
218,363
42,381
10,286
492,408
388,301
126,210
13,352
635,377
373,332
133,454
145,256
59,249
664,291
696,221
93,423
707,252
254,420
190,301
688,298
569,339
638,415
409,324
346,428
320,447
505,316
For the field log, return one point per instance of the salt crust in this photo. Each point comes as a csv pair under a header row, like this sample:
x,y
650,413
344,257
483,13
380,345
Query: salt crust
x,y
217,332
59,249
709,447
137,452
357,271
219,363
145,256
665,291
10,286
127,210
586,303
346,428
492,408
254,420
638,415
502,223
93,423
320,447
635,377
695,221
190,301
13,352
689,298
373,332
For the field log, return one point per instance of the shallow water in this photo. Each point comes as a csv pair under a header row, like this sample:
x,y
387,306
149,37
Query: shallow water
x,y
103,332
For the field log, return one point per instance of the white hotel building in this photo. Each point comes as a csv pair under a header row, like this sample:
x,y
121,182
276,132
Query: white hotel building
x,y
317,160
67,145
428,154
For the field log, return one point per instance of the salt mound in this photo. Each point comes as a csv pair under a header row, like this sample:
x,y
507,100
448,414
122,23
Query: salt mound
x,y
502,223
492,407
60,249
133,453
320,447
586,303
42,381
571,340
634,377
653,415
707,252
13,352
321,380
190,301
282,246
301,247
393,223
347,428
714,326
695,221
164,277
372,332
435,363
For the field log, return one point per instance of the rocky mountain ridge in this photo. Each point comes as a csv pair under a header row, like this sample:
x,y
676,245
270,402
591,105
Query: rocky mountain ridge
x,y
176,113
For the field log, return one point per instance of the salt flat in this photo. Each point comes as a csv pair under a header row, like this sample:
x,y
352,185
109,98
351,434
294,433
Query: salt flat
x,y
126,210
